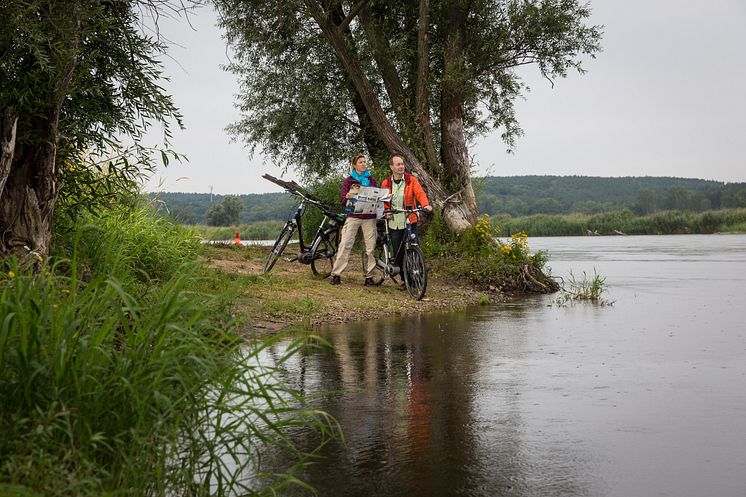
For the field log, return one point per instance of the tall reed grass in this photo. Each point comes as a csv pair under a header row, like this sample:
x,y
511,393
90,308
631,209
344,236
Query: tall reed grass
x,y
118,376
589,289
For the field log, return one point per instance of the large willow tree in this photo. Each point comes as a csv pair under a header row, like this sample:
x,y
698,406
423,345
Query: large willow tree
x,y
76,77
320,78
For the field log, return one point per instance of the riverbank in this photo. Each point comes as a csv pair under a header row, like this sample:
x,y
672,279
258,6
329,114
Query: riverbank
x,y
291,296
626,222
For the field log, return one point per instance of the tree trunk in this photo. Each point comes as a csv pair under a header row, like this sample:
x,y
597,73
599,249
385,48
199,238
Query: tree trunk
x,y
32,184
454,152
27,201
455,213
422,90
7,145
374,145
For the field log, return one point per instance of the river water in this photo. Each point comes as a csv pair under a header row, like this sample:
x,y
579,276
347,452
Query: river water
x,y
646,397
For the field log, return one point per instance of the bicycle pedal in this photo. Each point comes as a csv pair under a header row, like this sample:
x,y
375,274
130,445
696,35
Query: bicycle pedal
x,y
290,259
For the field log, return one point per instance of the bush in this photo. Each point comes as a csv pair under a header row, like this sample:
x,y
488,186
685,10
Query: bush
x,y
477,253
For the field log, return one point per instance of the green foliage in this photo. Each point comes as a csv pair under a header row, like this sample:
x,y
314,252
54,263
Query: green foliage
x,y
528,195
610,223
298,100
191,208
329,192
225,213
294,95
132,245
94,60
108,389
477,254
263,230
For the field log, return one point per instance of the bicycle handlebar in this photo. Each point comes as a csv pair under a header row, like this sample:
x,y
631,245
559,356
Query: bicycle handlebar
x,y
296,189
405,211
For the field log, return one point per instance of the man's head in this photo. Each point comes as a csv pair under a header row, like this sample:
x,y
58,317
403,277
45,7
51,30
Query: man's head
x,y
396,163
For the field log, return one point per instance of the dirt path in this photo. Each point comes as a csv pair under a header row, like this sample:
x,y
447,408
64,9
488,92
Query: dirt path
x,y
291,295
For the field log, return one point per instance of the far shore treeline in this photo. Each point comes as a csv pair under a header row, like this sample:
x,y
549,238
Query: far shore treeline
x,y
541,205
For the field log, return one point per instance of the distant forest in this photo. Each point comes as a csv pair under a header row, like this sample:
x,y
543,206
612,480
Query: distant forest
x,y
513,195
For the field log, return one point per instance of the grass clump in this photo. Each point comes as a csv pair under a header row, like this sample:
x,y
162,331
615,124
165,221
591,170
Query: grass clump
x,y
121,372
589,289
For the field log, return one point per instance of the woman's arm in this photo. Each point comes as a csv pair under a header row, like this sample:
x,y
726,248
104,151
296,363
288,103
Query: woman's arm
x,y
345,189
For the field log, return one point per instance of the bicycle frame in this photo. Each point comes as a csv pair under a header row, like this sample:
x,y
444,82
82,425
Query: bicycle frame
x,y
410,240
320,252
296,219
305,249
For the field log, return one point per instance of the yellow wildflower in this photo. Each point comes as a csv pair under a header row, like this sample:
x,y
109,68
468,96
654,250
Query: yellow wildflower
x,y
11,274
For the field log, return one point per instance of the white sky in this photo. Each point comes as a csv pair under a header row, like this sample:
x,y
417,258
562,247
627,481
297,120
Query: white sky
x,y
666,97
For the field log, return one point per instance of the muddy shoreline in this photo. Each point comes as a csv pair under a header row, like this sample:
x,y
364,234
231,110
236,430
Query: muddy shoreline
x,y
291,296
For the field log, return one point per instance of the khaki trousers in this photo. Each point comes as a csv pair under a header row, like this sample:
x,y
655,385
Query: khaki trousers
x,y
347,239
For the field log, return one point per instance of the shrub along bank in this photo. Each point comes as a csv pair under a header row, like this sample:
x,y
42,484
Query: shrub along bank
x,y
479,256
662,223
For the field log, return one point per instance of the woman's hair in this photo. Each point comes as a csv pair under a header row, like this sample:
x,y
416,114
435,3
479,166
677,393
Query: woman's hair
x,y
354,159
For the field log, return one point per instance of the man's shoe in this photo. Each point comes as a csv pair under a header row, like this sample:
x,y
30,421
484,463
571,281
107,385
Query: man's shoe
x,y
336,280
369,282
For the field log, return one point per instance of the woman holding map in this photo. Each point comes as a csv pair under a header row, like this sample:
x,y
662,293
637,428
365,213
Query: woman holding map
x,y
357,219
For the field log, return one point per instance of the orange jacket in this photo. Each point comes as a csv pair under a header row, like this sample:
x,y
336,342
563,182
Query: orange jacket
x,y
414,195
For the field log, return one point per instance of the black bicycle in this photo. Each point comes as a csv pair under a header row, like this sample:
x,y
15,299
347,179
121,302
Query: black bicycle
x,y
322,249
414,272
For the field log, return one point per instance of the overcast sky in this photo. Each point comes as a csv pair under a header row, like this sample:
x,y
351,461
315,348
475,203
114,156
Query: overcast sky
x,y
666,97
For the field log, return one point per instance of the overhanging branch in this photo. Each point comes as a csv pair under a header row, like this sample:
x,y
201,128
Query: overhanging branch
x,y
354,11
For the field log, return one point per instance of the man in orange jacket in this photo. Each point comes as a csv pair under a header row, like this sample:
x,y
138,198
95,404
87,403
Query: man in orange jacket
x,y
406,192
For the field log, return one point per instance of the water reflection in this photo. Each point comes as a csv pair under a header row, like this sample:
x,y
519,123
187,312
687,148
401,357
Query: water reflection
x,y
416,422
406,400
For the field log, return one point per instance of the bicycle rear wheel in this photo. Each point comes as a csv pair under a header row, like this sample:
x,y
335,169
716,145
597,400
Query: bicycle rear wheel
x,y
282,241
415,272
378,275
323,250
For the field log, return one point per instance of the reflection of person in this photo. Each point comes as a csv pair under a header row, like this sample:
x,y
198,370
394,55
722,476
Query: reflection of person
x,y
359,176
406,192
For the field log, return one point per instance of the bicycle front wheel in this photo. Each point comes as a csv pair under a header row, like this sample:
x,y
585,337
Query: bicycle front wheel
x,y
415,272
323,250
282,241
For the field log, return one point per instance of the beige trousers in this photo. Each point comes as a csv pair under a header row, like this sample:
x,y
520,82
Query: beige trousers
x,y
347,239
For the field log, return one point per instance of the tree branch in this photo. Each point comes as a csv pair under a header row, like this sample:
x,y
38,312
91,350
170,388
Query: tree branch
x,y
389,75
422,88
354,11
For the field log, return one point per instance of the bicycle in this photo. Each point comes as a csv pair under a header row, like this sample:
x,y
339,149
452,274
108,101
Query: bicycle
x,y
414,271
320,253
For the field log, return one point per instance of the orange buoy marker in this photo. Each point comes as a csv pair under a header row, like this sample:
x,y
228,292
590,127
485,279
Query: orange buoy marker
x,y
238,240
